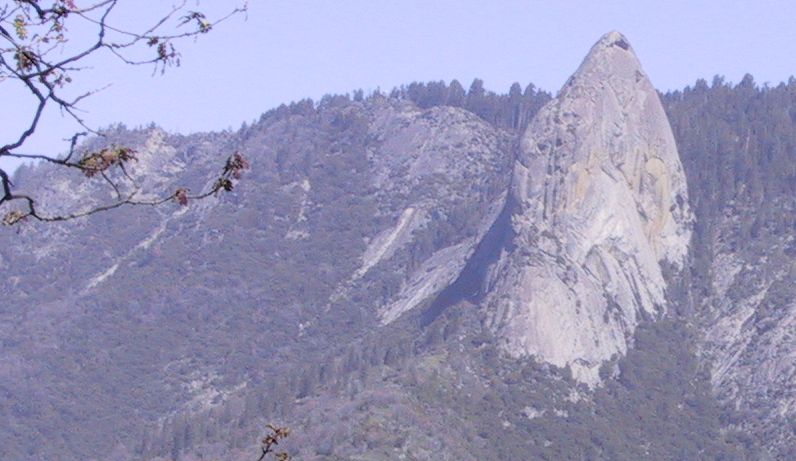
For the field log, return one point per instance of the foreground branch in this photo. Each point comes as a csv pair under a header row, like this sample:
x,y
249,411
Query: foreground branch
x,y
33,37
270,442
98,164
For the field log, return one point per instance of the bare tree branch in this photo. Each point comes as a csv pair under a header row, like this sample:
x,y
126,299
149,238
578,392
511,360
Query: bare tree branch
x,y
271,440
224,183
33,30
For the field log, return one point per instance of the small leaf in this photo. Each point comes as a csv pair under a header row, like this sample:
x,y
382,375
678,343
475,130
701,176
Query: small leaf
x,y
13,217
19,27
181,196
26,59
98,162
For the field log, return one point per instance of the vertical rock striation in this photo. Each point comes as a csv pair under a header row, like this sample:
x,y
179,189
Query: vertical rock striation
x,y
599,204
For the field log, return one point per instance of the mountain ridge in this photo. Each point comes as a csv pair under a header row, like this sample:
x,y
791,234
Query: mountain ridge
x,y
255,297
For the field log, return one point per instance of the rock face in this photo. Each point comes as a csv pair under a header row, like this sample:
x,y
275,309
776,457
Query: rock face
x,y
440,176
599,202
750,339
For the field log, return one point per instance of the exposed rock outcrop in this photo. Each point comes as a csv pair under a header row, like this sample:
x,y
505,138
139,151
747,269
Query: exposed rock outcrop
x,y
749,325
599,203
441,175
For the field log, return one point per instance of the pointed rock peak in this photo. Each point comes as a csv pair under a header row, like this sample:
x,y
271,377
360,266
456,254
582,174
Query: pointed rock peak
x,y
612,56
614,38
600,204
610,43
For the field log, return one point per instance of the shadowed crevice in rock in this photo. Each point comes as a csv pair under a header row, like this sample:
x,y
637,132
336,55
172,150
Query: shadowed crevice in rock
x,y
473,282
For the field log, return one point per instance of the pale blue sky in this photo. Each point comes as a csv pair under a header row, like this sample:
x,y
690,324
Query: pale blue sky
x,y
291,49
